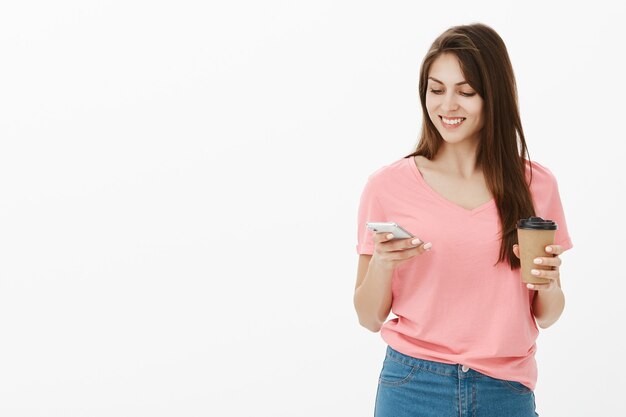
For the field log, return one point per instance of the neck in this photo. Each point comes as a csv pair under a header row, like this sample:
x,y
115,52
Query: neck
x,y
459,159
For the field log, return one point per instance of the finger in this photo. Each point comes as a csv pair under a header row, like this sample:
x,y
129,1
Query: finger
x,y
408,243
424,247
383,236
409,253
419,249
392,244
404,253
554,261
554,250
544,273
540,287
407,249
516,250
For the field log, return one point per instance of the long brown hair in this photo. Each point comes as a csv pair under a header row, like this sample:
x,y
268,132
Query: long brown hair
x,y
485,63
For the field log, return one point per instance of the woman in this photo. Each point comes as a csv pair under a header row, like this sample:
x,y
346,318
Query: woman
x,y
463,342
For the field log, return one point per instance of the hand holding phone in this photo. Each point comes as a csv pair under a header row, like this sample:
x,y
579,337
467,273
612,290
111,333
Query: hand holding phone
x,y
390,227
389,253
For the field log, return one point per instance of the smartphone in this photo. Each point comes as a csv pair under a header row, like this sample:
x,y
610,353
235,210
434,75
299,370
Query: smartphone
x,y
390,227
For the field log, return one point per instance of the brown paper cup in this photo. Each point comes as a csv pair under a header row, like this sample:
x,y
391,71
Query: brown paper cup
x,y
532,243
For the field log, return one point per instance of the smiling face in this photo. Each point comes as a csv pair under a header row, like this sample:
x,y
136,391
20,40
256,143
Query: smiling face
x,y
453,106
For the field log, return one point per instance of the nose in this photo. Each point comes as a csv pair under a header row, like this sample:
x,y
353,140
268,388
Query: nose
x,y
449,103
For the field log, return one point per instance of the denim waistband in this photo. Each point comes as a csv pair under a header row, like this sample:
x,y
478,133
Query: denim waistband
x,y
456,370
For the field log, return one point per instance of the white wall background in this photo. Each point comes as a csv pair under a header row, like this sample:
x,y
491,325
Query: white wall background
x,y
179,184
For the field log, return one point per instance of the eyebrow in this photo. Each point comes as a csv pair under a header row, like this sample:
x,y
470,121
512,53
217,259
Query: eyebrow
x,y
459,83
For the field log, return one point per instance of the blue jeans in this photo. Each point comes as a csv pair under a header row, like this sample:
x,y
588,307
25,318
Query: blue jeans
x,y
415,387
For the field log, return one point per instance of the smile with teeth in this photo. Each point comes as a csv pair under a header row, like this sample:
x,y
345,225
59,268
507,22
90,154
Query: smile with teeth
x,y
452,122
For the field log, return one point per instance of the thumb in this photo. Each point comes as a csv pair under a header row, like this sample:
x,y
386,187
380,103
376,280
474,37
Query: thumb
x,y
516,250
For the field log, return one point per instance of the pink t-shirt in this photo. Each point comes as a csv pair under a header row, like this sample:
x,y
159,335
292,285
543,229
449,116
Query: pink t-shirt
x,y
452,304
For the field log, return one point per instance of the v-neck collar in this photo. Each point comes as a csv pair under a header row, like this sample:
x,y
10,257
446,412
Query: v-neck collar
x,y
435,194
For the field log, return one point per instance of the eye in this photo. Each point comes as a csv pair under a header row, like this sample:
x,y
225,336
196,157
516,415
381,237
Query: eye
x,y
463,94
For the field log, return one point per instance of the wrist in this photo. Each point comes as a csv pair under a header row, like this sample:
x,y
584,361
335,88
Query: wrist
x,y
381,265
551,293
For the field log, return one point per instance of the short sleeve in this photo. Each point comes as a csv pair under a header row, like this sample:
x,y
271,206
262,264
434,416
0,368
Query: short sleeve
x,y
370,210
554,211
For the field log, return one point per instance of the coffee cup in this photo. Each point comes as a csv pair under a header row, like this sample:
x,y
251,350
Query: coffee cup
x,y
533,235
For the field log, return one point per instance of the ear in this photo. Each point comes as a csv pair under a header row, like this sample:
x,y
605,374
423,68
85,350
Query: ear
x,y
516,250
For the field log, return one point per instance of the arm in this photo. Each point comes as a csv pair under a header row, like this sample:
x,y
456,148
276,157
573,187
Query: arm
x,y
548,306
549,302
372,295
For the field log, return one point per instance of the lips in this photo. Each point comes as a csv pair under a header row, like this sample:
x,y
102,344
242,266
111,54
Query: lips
x,y
452,118
452,125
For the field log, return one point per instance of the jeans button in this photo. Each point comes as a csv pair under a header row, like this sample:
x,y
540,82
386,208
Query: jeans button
x,y
465,368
